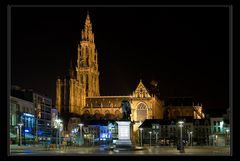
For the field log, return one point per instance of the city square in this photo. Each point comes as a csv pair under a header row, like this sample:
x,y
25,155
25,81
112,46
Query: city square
x,y
76,101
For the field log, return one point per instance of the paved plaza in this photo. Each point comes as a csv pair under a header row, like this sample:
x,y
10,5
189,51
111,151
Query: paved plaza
x,y
104,150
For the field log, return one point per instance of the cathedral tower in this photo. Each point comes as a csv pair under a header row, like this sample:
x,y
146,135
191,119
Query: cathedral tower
x,y
83,80
87,63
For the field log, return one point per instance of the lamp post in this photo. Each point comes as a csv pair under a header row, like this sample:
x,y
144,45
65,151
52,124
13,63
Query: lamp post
x,y
141,129
80,133
58,126
188,137
150,133
216,140
227,139
110,136
60,129
156,137
20,132
181,140
38,115
93,139
191,137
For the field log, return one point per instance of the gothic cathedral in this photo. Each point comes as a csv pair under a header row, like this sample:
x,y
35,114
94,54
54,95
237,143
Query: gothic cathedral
x,y
79,93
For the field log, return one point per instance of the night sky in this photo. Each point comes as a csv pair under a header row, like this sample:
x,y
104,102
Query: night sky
x,y
185,49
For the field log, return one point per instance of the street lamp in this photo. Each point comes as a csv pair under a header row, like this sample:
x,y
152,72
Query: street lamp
x,y
20,132
227,140
110,135
150,133
156,137
80,133
58,126
141,129
181,140
60,129
93,139
216,140
191,137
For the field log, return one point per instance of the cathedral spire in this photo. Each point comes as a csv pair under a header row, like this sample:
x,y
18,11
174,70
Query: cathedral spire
x,y
87,34
87,65
88,17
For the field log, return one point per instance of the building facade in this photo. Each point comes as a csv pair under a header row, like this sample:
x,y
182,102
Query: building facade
x,y
22,121
167,132
40,111
183,107
79,93
201,132
220,132
83,80
43,107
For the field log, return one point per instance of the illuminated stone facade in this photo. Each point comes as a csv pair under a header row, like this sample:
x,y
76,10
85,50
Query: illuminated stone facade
x,y
143,106
179,107
79,94
71,92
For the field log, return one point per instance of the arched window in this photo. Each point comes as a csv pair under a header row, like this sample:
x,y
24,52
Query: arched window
x,y
141,112
97,114
107,115
87,85
106,112
86,114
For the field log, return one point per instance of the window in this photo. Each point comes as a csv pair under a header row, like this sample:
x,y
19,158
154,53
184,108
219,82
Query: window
x,y
214,122
87,85
141,112
13,120
29,122
32,122
219,130
26,123
48,102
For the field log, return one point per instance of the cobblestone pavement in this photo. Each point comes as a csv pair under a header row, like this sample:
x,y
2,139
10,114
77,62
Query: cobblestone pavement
x,y
103,150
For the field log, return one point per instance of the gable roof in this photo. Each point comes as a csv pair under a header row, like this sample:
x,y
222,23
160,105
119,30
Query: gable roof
x,y
141,90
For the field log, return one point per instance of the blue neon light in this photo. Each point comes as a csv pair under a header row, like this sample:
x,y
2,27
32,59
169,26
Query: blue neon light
x,y
28,114
26,130
103,135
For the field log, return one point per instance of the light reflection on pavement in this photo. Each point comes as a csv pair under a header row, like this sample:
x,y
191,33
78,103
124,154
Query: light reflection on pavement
x,y
100,150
